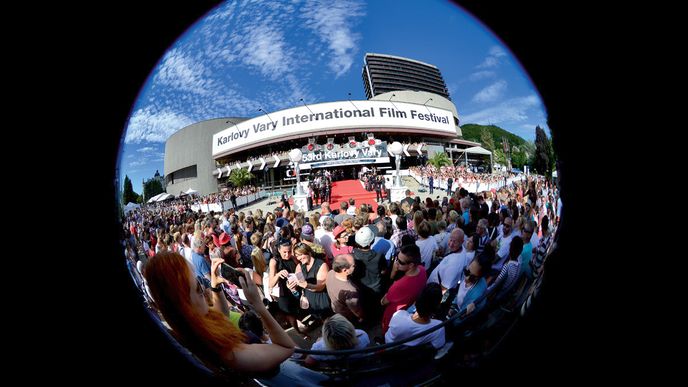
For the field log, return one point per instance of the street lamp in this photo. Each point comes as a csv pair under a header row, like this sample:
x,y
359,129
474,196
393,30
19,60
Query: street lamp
x,y
295,155
396,149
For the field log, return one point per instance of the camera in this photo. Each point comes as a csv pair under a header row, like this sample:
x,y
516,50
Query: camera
x,y
232,274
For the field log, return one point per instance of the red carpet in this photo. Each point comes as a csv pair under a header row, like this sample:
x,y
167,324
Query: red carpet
x,y
345,189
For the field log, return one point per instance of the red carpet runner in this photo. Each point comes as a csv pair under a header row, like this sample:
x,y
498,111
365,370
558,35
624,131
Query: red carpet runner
x,y
345,189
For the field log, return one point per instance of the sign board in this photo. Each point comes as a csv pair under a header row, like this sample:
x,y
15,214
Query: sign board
x,y
340,156
332,116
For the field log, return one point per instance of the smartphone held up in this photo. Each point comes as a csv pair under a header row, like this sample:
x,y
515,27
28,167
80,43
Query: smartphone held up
x,y
232,274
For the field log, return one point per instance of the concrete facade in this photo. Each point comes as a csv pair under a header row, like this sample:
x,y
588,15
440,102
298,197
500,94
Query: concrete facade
x,y
192,147
189,161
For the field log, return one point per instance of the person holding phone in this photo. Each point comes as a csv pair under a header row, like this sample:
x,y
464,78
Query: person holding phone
x,y
310,278
280,268
205,330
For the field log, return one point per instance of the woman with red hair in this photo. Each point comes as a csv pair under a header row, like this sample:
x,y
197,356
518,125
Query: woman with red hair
x,y
206,330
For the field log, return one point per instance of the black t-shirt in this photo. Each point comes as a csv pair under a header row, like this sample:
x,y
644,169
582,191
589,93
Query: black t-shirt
x,y
369,267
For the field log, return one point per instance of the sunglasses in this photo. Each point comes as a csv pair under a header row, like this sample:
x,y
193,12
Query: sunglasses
x,y
400,262
467,273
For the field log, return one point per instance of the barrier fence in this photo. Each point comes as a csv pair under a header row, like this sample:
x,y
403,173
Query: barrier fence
x,y
441,184
227,204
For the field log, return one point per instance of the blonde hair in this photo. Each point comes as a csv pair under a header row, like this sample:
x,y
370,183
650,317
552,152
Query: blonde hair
x,y
258,260
315,219
338,333
347,224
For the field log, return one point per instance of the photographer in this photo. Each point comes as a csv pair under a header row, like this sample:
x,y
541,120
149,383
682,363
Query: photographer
x,y
207,331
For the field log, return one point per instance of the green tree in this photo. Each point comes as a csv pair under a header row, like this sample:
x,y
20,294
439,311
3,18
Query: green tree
x,y
128,194
240,177
543,150
439,160
518,159
151,188
498,156
486,139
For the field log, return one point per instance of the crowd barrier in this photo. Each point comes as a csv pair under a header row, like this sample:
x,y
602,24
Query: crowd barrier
x,y
475,187
227,204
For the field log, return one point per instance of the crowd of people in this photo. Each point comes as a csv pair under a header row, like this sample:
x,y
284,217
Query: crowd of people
x,y
183,203
450,178
404,267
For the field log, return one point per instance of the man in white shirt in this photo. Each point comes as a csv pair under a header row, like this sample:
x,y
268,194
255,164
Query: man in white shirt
x,y
406,323
448,272
501,244
324,236
352,207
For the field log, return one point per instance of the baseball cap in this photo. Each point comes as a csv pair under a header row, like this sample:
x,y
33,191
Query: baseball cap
x,y
364,237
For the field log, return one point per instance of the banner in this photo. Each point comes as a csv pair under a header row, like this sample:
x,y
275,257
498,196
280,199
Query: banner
x,y
339,156
322,117
339,163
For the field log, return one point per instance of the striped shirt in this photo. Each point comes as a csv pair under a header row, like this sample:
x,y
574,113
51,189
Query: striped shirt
x,y
506,279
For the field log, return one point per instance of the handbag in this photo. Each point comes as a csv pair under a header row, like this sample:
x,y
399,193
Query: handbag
x,y
303,301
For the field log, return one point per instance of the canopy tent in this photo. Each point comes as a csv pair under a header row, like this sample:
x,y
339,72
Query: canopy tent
x,y
155,198
478,150
164,196
189,191
131,206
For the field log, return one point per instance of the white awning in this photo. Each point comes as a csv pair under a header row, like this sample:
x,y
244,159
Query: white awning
x,y
155,198
130,206
190,191
478,150
164,196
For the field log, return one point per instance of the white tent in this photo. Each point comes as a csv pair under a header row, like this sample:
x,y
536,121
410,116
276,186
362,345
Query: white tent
x,y
474,150
164,196
479,150
190,191
130,206
155,198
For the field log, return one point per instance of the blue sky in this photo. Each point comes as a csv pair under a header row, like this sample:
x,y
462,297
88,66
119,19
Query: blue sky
x,y
247,55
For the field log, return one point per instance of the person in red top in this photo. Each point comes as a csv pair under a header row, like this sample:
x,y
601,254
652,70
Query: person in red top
x,y
339,245
404,292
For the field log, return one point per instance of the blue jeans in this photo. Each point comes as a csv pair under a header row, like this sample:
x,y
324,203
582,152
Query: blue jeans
x,y
294,375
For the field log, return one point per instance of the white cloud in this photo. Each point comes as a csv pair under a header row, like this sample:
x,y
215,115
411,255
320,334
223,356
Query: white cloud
x,y
529,129
491,93
492,60
145,149
332,22
453,88
512,110
154,126
497,51
180,71
266,49
480,75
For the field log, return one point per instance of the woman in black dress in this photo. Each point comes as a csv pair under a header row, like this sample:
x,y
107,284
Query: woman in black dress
x,y
314,273
281,266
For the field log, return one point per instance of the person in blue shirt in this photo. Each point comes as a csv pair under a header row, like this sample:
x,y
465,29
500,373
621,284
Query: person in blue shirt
x,y
472,285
